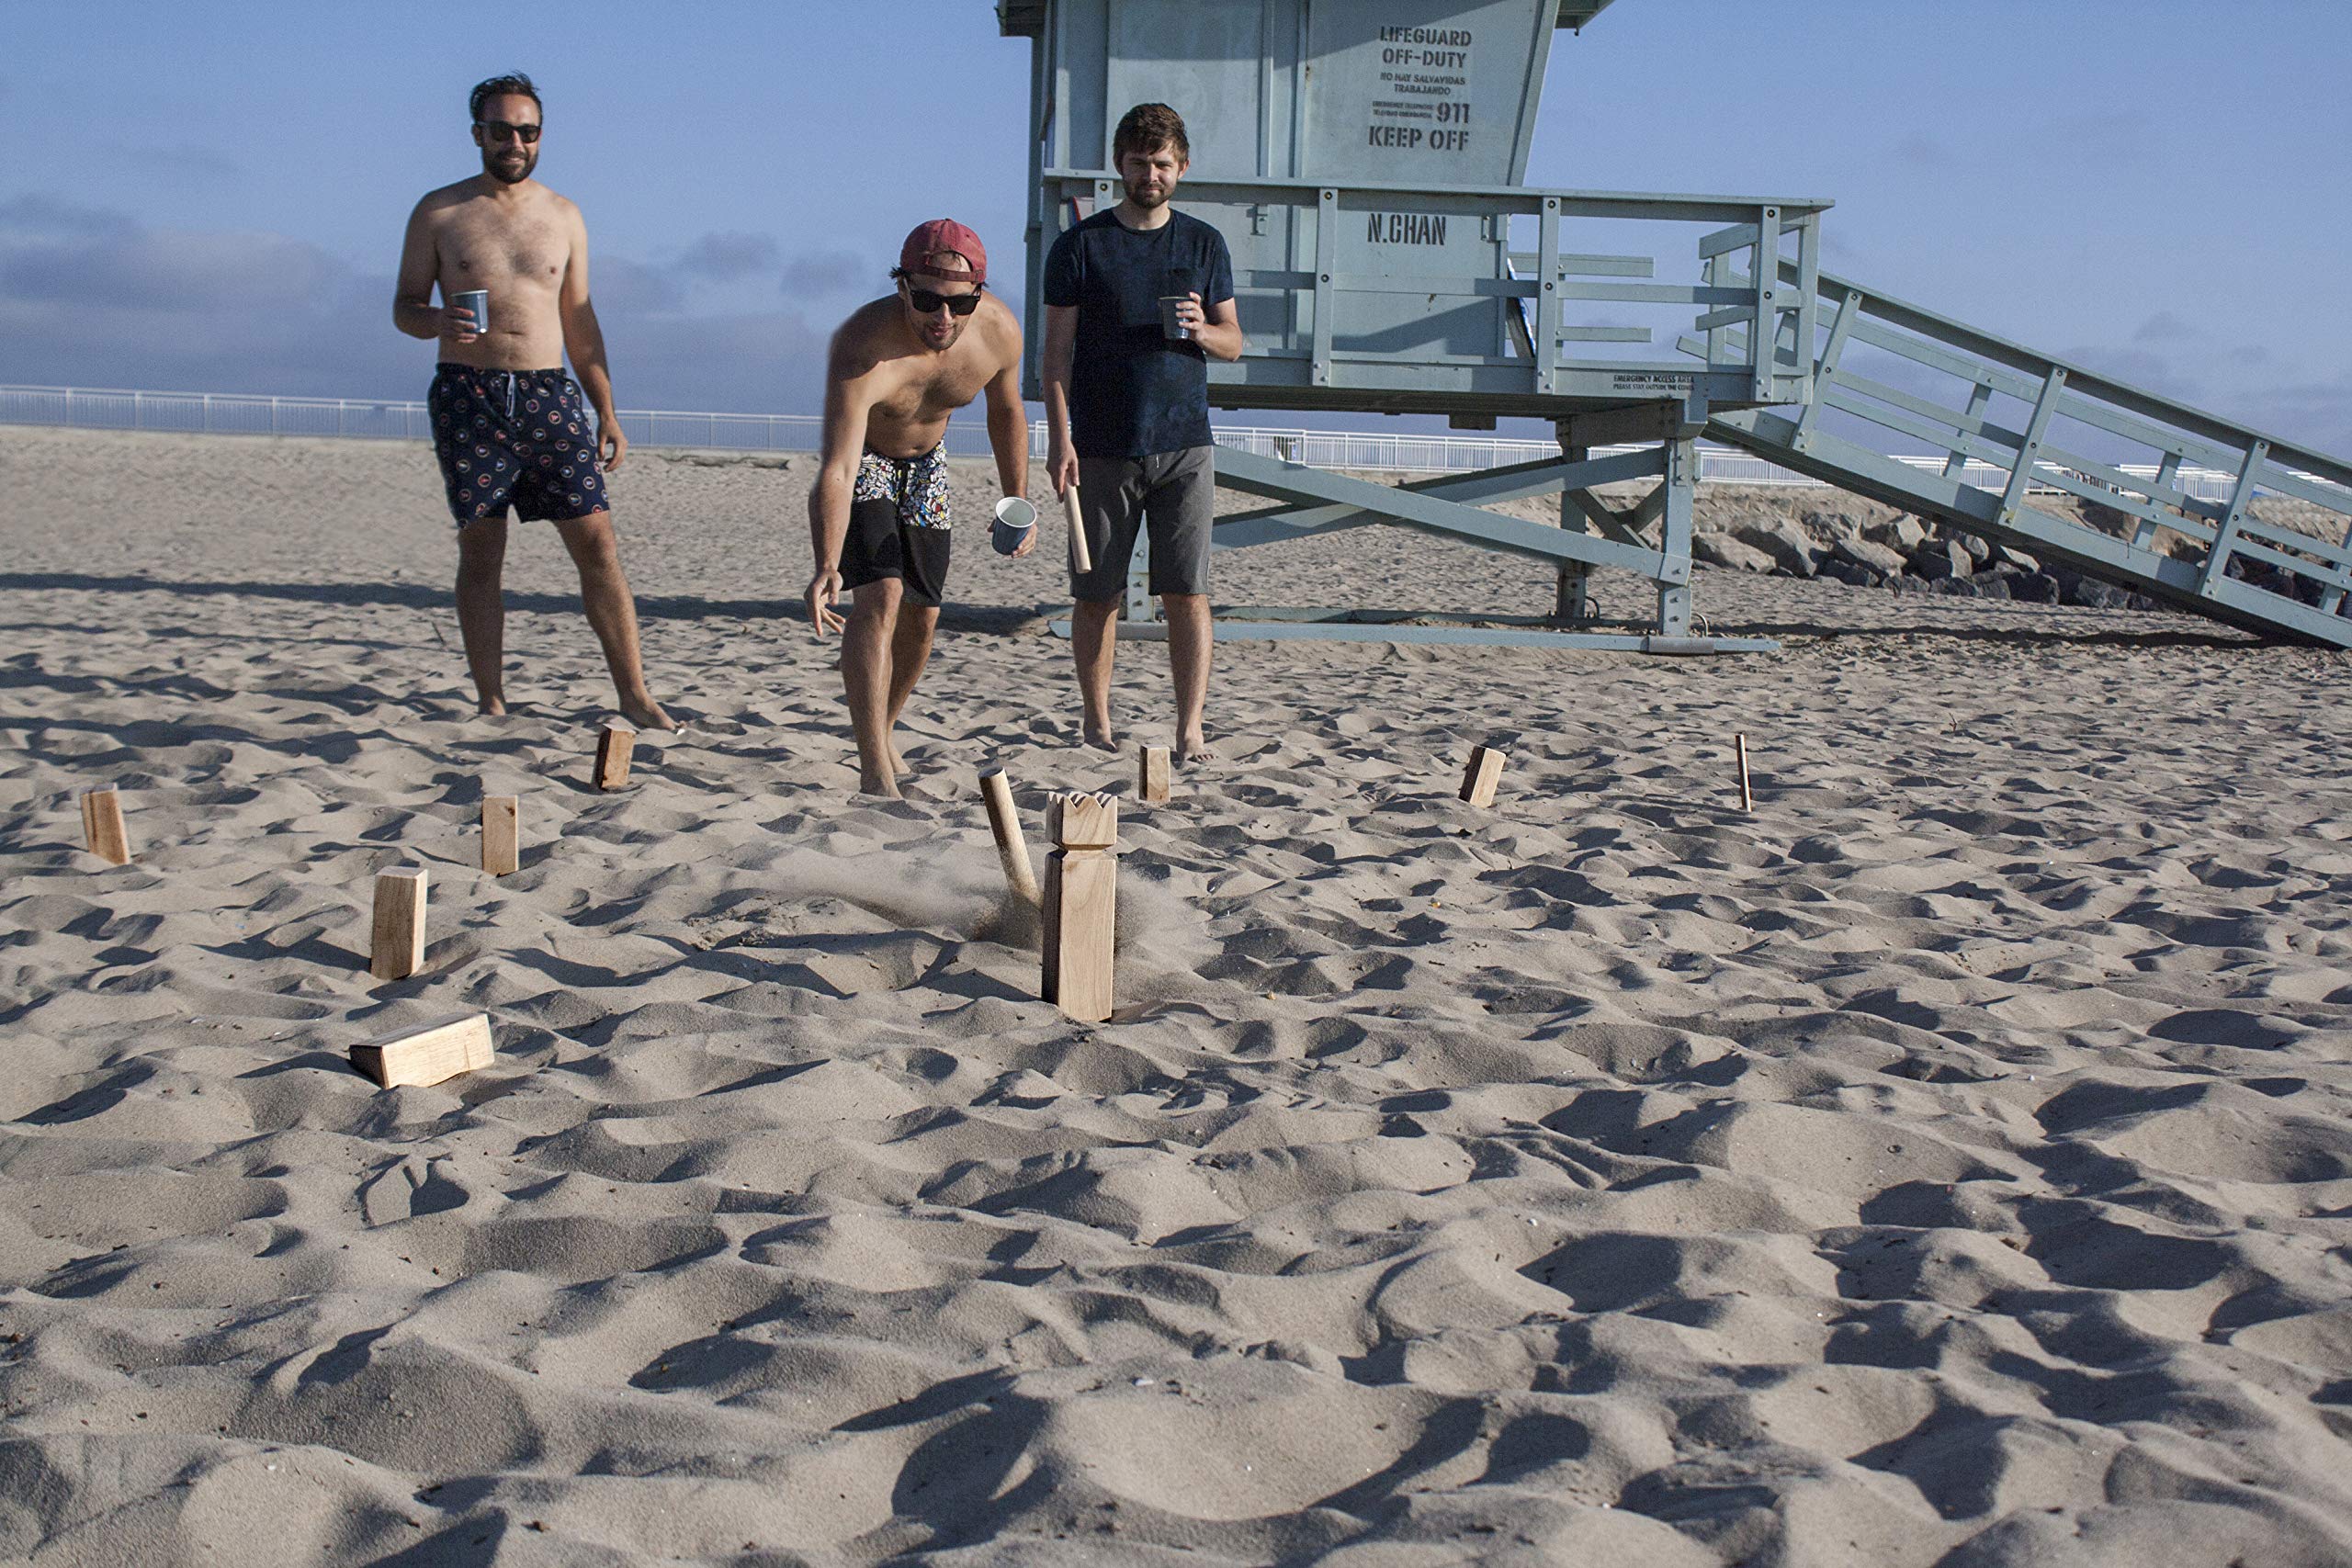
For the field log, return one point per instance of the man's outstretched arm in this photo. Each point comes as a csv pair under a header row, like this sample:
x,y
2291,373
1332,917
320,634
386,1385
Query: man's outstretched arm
x,y
1008,424
1008,432
848,395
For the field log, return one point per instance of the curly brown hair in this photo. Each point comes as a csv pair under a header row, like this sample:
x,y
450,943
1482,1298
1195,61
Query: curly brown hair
x,y
1146,129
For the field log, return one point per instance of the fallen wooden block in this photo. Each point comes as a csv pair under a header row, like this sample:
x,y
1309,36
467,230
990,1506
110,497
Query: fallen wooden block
x,y
1081,906
1011,848
1746,796
501,834
102,827
1151,776
426,1053
1478,780
614,748
396,948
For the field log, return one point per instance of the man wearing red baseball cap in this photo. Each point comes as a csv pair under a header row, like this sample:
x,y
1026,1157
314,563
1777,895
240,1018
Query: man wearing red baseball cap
x,y
878,515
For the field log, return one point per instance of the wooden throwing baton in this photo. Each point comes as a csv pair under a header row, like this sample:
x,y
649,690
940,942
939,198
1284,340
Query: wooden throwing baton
x,y
1081,558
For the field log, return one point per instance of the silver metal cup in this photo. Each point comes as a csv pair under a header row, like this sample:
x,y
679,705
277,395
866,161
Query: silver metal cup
x,y
1170,327
477,302
1014,519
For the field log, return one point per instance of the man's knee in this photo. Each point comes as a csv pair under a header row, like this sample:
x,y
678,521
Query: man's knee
x,y
910,637
591,541
482,550
876,602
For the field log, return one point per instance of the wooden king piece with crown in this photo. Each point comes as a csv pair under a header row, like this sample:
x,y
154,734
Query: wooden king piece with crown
x,y
1080,904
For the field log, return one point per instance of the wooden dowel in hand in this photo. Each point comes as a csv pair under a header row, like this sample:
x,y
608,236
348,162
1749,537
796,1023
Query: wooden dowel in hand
x,y
1081,556
1747,797
1012,849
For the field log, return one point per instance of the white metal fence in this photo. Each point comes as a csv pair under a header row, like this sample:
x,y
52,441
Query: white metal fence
x,y
245,413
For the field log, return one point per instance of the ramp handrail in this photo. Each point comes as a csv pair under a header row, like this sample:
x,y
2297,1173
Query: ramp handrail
x,y
2034,421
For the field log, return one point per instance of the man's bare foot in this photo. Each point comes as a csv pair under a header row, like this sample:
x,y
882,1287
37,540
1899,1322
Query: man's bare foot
x,y
492,707
1195,750
883,786
648,715
899,764
1102,737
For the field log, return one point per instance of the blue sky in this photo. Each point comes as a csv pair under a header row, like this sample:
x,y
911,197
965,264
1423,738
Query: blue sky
x,y
212,197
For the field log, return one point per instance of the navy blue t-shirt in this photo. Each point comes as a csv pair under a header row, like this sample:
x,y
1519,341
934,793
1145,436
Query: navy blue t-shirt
x,y
1132,392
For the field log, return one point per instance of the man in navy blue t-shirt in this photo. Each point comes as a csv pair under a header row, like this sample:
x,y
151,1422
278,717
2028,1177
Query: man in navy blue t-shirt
x,y
1137,299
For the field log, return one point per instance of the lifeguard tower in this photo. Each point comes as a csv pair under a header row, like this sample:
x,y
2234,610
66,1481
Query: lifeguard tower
x,y
1365,159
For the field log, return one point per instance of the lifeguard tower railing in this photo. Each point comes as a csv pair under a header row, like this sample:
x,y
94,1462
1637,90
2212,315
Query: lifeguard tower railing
x,y
1333,318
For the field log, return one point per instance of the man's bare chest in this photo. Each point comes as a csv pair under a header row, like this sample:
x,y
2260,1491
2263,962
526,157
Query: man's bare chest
x,y
484,251
935,393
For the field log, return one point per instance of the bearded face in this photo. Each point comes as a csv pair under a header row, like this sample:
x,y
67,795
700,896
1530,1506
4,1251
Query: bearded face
x,y
505,156
509,166
1151,177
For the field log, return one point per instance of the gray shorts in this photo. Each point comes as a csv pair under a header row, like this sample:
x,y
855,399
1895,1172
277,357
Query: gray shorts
x,y
1171,493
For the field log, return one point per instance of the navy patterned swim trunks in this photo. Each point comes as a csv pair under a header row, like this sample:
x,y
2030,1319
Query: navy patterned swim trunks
x,y
519,436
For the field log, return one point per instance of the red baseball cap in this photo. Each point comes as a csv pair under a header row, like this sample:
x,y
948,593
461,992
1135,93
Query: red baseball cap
x,y
944,234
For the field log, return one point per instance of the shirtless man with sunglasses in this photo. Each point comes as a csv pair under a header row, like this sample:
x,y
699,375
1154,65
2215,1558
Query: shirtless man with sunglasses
x,y
878,513
507,422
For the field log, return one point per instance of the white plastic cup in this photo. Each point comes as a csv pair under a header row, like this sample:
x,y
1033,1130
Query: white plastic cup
x,y
477,302
1014,519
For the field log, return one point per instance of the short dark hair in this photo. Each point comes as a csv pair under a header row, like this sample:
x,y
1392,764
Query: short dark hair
x,y
513,82
1146,128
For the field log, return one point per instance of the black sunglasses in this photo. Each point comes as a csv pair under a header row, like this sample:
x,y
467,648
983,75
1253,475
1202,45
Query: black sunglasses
x,y
502,131
927,303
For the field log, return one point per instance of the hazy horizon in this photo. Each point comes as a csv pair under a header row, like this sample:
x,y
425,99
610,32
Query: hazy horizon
x,y
214,202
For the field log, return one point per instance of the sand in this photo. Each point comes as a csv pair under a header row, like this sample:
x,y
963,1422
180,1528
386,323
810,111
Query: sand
x,y
1947,1163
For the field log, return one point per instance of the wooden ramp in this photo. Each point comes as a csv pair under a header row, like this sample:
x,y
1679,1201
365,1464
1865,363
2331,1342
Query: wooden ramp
x,y
2020,433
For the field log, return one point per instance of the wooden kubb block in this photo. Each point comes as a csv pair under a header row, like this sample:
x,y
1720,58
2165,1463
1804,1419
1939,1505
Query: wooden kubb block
x,y
1151,776
102,828
614,748
1479,778
501,834
396,944
427,1053
1080,912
